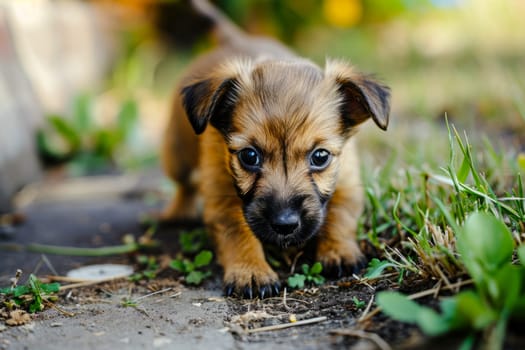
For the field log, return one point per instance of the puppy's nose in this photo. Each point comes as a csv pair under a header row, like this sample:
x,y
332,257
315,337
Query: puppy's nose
x,y
285,222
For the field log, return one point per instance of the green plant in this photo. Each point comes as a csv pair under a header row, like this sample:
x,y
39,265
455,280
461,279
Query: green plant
x,y
150,268
86,145
359,304
310,275
486,247
192,269
426,207
31,296
192,241
376,267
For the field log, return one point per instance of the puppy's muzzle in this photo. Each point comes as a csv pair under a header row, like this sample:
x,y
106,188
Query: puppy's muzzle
x,y
286,221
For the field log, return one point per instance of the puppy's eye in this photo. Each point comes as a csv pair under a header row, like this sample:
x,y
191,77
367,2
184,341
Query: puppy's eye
x,y
320,159
250,159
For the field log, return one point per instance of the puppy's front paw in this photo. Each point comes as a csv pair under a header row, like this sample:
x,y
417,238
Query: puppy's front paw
x,y
251,280
340,258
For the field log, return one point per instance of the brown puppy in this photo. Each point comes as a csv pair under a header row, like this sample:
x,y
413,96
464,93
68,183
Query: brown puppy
x,y
273,161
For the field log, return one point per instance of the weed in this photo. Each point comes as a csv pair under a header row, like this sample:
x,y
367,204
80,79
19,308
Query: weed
x,y
192,269
150,268
359,304
128,302
31,296
486,248
88,147
310,275
192,241
376,267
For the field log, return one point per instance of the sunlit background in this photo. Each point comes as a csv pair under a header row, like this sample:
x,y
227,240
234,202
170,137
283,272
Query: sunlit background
x,y
98,75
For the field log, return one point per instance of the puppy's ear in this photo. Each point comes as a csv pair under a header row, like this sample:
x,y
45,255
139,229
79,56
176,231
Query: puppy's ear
x,y
363,97
210,101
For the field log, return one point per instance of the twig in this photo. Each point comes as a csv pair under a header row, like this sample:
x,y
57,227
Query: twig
x,y
48,264
437,288
447,287
150,294
54,306
287,325
369,315
89,283
44,260
67,279
443,277
367,309
363,281
376,339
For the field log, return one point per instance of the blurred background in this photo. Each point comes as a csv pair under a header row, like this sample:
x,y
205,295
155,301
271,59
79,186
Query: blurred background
x,y
85,86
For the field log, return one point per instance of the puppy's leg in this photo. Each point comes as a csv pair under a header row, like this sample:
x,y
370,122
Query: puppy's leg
x,y
246,272
337,248
180,160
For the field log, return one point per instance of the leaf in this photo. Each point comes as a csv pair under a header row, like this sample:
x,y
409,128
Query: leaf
x,y
192,241
178,265
521,161
60,141
376,267
485,240
398,306
196,277
127,119
358,303
508,281
142,259
468,343
17,318
464,170
149,274
306,269
203,258
316,269
296,281
135,277
105,142
82,113
318,280
432,323
472,310
16,292
49,288
521,254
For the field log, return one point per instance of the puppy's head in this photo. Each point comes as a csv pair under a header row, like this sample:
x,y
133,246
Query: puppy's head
x,y
285,124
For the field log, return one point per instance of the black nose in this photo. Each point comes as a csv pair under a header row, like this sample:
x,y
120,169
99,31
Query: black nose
x,y
285,222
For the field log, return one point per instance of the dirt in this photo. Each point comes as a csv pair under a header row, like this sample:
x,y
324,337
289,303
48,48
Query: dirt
x,y
180,317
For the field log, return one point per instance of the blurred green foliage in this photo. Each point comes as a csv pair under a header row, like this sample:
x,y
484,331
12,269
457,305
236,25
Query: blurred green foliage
x,y
286,18
87,146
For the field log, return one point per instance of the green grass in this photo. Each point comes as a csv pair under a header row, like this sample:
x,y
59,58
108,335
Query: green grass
x,y
420,210
415,217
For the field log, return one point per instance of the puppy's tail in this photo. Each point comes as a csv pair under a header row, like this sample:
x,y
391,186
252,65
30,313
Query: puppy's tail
x,y
225,30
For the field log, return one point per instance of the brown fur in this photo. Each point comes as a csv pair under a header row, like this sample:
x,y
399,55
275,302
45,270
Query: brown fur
x,y
254,93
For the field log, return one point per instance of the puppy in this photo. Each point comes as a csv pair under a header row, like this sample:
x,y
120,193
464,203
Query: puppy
x,y
263,138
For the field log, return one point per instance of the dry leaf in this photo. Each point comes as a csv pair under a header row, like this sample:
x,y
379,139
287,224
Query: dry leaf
x,y
17,318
